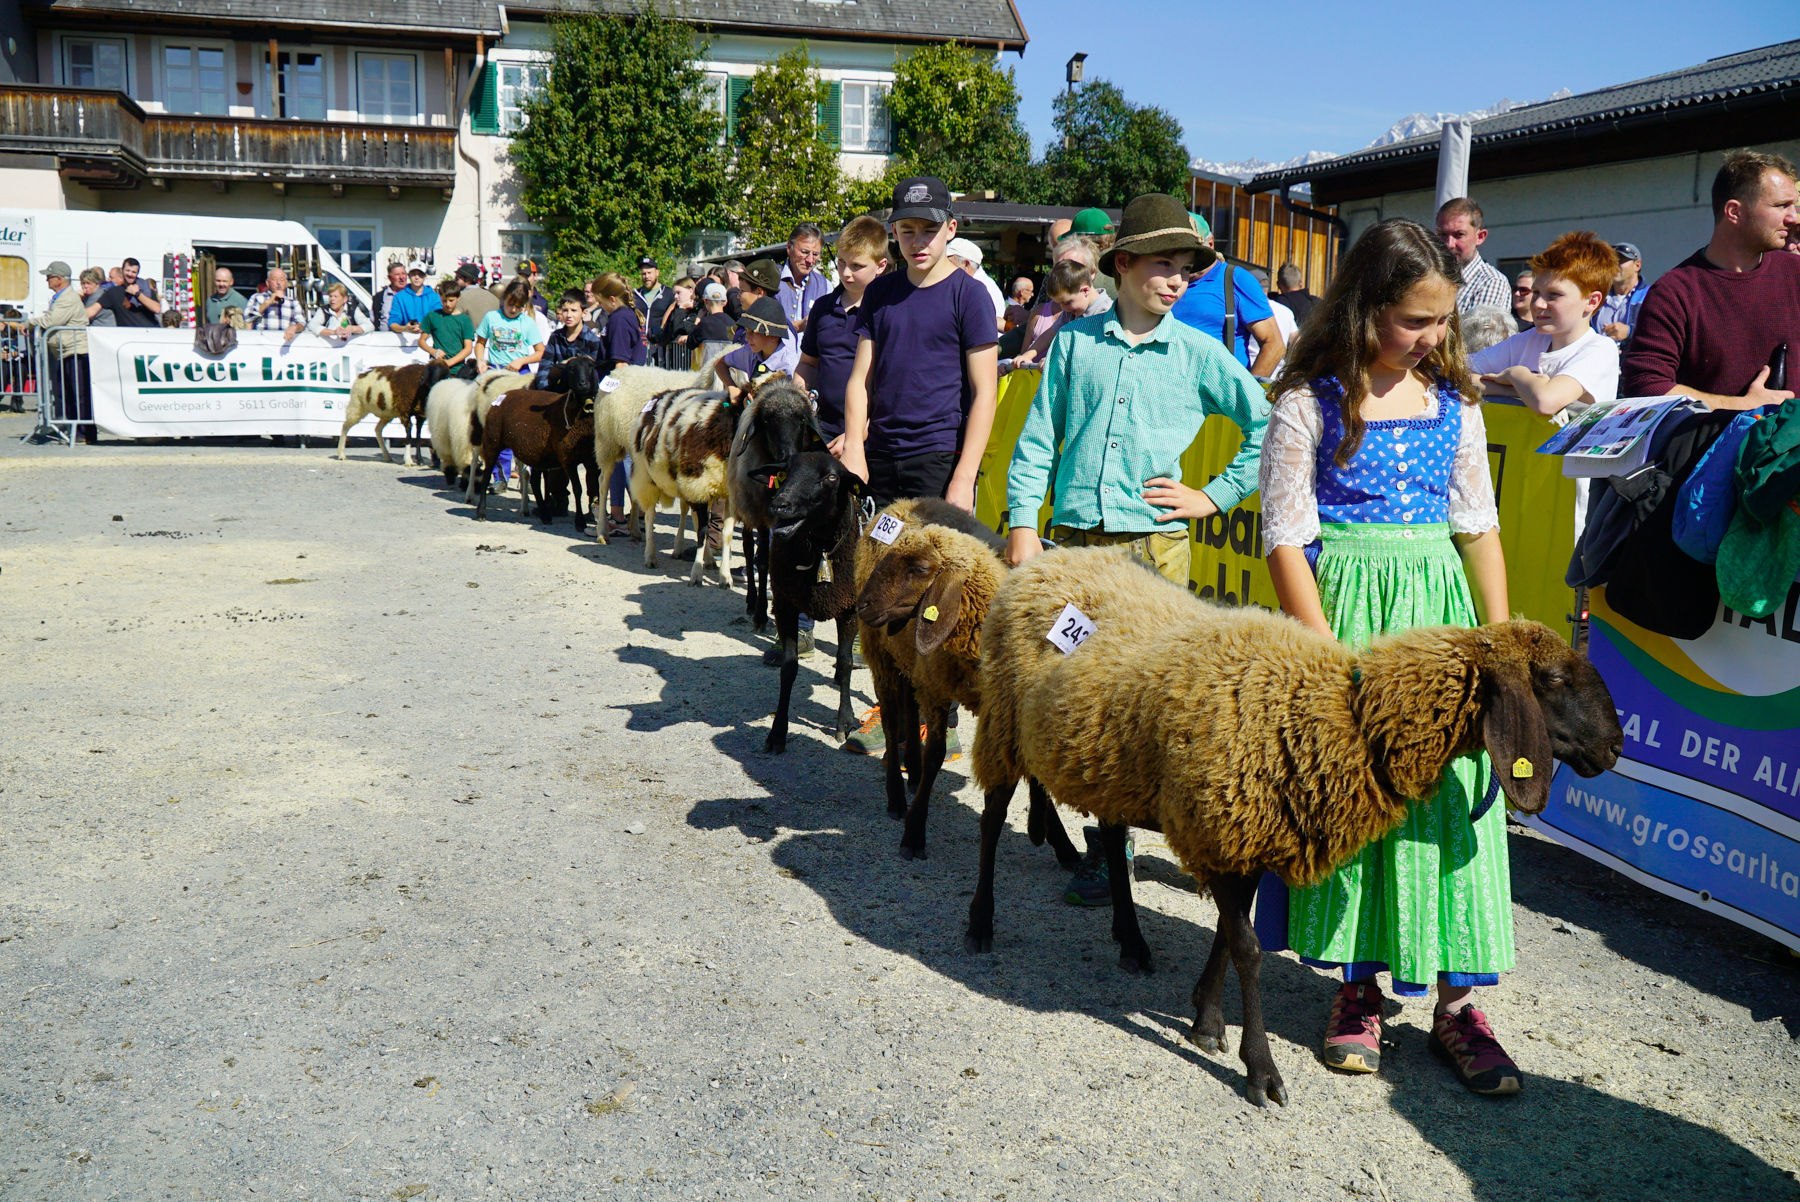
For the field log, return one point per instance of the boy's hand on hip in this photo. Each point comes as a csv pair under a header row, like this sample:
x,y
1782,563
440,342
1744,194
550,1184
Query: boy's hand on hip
x,y
853,460
961,494
1177,500
1022,543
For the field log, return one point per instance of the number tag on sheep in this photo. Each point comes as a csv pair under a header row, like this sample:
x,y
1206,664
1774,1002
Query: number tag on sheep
x,y
610,384
1071,629
886,529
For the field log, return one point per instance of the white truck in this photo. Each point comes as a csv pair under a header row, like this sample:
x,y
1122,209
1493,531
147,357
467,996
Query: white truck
x,y
168,246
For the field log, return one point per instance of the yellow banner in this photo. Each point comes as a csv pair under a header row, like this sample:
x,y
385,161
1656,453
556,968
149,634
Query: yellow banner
x,y
1536,504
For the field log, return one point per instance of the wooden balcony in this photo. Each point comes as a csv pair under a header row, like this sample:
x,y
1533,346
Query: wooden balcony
x,y
104,140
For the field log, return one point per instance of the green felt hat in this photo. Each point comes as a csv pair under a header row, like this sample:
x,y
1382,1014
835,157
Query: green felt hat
x,y
1157,223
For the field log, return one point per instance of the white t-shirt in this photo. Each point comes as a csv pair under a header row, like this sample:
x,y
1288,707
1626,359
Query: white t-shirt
x,y
1592,360
1284,322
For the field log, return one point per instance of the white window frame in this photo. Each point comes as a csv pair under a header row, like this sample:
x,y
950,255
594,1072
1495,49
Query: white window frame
x,y
228,49
268,86
536,243
512,117
718,87
376,279
62,56
862,143
362,113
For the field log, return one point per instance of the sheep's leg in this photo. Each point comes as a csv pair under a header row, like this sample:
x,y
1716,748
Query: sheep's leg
x,y
911,750
912,841
890,690
350,419
846,717
980,934
1234,895
724,560
1134,952
600,491
787,629
380,439
1045,824
574,474
756,577
702,552
1208,1032
649,512
409,430
681,519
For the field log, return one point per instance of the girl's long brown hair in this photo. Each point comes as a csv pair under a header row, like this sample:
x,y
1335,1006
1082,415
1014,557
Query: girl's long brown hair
x,y
1340,337
612,285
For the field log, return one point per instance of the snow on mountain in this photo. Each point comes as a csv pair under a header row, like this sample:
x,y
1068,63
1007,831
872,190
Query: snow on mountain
x,y
1413,125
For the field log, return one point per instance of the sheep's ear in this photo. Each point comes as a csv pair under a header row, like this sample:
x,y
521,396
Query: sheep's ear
x,y
1512,727
938,610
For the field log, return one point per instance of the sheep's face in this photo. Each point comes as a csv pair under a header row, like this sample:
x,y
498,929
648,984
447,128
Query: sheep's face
x,y
1542,701
578,376
782,418
898,585
810,496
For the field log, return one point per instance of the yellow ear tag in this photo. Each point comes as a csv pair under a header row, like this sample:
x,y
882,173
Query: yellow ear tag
x,y
931,613
1522,769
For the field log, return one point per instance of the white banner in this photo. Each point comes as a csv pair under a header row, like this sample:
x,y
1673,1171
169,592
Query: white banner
x,y
153,384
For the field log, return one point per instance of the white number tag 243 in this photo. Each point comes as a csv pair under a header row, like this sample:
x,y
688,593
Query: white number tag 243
x,y
610,384
886,529
1071,629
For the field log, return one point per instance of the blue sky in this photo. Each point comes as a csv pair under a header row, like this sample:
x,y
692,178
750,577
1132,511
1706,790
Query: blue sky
x,y
1276,80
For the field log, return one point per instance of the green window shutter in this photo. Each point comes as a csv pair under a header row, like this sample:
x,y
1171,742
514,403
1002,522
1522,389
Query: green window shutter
x,y
831,116
735,87
484,102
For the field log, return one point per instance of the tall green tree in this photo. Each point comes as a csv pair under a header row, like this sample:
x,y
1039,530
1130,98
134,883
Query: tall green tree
x,y
786,168
955,114
622,151
1108,150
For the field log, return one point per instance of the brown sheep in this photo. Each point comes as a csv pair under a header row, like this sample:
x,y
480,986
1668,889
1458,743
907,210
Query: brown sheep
x,y
549,433
921,600
1252,742
390,393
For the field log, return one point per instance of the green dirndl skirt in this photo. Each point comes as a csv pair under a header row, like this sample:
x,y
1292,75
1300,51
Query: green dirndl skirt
x,y
1433,896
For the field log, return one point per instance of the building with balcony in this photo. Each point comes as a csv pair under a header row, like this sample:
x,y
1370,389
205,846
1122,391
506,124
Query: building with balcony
x,y
384,129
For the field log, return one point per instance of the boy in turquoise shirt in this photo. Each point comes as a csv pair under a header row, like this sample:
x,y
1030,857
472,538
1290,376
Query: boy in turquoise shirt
x,y
1123,395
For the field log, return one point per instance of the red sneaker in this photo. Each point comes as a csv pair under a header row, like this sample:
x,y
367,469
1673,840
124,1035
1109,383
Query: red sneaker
x,y
1353,1032
1464,1040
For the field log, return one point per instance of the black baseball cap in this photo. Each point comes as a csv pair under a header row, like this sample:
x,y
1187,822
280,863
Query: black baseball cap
x,y
468,273
646,261
922,196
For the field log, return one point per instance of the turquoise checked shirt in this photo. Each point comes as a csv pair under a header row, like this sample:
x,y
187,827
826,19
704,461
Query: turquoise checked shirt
x,y
1124,414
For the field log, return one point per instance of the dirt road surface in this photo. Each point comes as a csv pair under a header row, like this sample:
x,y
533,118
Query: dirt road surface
x,y
354,849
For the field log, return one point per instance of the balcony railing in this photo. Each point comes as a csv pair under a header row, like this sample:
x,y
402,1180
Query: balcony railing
x,y
104,139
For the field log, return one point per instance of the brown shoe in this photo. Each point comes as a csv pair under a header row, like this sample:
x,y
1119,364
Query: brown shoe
x,y
1464,1040
1353,1032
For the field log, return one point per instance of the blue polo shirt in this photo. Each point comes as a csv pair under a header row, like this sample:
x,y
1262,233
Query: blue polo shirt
x,y
622,339
785,358
1203,306
830,337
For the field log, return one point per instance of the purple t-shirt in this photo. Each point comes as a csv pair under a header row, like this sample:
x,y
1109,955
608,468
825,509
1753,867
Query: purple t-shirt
x,y
919,385
830,337
623,338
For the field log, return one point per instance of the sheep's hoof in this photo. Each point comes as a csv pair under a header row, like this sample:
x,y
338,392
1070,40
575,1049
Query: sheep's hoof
x,y
1263,1093
977,944
1206,1041
774,746
1068,859
914,853
896,812
1137,965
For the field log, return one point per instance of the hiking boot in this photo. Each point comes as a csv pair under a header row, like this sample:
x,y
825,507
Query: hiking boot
x,y
869,738
803,646
1353,1032
1092,883
952,744
1464,1040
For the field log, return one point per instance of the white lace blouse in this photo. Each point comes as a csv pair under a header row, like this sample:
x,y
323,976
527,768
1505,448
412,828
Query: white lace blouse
x,y
1290,507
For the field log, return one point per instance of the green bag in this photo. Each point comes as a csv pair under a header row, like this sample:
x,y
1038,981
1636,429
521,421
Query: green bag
x,y
1757,562
1768,466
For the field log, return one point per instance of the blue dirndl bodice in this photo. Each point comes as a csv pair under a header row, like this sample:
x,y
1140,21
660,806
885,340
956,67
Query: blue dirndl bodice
x,y
1401,472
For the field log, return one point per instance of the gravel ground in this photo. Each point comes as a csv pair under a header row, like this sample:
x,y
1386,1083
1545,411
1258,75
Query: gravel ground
x,y
315,884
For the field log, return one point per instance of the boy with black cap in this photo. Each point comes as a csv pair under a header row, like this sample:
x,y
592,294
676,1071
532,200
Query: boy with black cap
x,y
1122,397
768,346
920,400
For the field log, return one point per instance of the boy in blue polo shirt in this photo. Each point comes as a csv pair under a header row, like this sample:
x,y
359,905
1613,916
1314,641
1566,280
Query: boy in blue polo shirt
x,y
828,346
1122,397
768,347
919,403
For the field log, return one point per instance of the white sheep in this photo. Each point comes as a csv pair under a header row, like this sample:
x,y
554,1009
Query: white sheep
x,y
624,396
453,413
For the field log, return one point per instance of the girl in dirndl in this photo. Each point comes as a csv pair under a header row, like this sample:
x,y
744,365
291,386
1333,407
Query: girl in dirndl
x,y
1378,512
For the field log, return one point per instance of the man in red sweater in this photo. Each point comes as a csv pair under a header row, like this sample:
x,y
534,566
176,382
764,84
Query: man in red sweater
x,y
1710,327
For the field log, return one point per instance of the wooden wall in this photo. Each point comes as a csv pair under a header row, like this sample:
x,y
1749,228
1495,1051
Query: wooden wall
x,y
1260,229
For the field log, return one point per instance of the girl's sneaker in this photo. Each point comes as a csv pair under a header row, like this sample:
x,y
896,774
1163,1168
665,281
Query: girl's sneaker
x,y
1353,1032
1464,1040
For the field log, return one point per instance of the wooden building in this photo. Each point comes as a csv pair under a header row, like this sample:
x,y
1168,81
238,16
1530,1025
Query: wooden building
x,y
1267,231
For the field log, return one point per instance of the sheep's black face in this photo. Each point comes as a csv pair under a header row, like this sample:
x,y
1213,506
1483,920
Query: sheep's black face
x,y
784,418
810,496
579,377
1578,713
436,373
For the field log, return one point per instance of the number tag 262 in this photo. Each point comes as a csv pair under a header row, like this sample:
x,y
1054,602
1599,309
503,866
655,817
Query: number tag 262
x,y
1070,630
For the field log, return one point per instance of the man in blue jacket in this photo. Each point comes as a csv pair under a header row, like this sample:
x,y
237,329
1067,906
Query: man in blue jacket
x,y
1618,312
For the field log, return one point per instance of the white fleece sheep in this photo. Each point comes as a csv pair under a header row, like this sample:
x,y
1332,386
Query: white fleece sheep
x,y
616,415
453,412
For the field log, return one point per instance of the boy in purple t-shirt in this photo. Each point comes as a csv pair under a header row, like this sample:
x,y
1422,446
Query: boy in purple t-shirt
x,y
920,399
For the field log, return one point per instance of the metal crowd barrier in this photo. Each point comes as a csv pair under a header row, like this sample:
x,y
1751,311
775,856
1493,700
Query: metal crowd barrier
x,y
64,395
18,368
